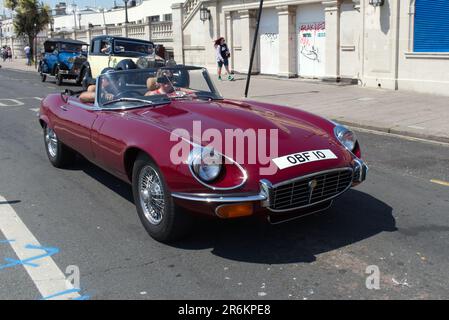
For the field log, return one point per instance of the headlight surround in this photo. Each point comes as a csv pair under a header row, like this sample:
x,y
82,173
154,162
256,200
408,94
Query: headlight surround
x,y
142,63
205,163
346,137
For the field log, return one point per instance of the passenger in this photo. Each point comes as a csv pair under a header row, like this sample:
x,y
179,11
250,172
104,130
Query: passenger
x,y
151,86
164,87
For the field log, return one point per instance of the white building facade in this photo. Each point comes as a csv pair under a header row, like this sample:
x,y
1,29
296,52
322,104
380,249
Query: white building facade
x,y
399,45
335,40
160,10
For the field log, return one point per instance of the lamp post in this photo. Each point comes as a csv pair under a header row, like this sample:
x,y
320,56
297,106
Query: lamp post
x,y
74,15
79,21
251,60
104,18
35,46
126,11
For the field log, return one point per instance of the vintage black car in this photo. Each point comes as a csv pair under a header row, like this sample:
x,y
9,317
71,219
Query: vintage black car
x,y
63,59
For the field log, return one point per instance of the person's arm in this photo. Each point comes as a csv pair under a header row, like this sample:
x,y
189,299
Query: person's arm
x,y
218,54
87,97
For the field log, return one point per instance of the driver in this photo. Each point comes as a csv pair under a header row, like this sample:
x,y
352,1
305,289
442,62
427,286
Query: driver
x,y
106,92
107,89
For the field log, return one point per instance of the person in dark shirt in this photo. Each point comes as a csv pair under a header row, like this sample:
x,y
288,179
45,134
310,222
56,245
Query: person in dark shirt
x,y
222,54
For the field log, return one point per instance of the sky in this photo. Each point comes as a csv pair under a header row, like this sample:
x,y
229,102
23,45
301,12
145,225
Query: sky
x,y
82,3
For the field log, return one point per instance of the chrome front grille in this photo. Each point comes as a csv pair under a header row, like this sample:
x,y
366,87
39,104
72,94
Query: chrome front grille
x,y
310,190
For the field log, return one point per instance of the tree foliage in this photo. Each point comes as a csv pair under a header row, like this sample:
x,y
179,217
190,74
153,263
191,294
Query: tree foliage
x,y
31,17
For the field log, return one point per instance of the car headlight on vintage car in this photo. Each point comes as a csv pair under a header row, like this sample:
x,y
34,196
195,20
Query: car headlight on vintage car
x,y
142,63
205,163
71,60
346,137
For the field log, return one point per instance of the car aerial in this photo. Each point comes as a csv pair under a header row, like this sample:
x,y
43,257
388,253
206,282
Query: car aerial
x,y
153,128
62,59
119,53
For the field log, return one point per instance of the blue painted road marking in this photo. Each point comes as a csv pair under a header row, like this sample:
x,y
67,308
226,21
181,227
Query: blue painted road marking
x,y
49,251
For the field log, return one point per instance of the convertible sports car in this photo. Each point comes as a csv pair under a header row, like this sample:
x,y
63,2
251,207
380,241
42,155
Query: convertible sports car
x,y
170,134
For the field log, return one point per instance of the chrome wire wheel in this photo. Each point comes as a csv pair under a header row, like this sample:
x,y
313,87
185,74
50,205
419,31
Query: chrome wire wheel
x,y
52,142
151,195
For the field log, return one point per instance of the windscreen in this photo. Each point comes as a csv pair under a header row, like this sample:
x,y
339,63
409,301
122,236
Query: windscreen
x,y
134,88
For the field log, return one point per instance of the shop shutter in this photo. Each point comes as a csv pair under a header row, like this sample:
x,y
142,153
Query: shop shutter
x,y
431,26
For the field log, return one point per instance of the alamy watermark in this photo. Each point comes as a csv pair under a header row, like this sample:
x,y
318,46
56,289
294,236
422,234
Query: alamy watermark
x,y
248,146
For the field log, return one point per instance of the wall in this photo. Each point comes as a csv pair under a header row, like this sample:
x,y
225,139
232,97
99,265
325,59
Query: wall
x,y
380,44
422,72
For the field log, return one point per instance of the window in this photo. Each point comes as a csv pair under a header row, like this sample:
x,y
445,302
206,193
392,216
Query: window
x,y
167,17
154,19
431,32
100,47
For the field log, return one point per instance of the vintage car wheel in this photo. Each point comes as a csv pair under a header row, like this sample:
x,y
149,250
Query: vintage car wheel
x,y
58,77
154,202
41,74
58,154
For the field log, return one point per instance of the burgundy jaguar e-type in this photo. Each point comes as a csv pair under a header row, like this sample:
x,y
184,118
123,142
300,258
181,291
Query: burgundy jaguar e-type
x,y
185,150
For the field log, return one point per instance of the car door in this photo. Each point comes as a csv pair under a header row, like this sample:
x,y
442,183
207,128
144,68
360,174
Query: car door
x,y
73,122
99,60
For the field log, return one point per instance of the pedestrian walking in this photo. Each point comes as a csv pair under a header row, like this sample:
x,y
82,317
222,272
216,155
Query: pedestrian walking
x,y
27,50
222,54
9,53
4,53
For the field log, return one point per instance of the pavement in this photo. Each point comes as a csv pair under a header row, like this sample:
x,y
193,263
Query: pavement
x,y
17,64
396,221
400,112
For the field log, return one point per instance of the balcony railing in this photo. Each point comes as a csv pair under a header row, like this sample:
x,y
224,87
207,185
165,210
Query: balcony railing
x,y
154,31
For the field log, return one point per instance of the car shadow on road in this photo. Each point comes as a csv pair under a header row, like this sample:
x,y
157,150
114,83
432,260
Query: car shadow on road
x,y
354,217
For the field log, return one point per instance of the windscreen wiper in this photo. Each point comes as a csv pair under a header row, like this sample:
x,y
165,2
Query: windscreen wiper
x,y
147,102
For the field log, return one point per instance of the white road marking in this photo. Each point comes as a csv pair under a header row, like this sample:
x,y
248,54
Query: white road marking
x,y
38,98
416,127
47,277
15,103
35,109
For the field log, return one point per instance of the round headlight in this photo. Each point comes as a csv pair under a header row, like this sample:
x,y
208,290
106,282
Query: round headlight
x,y
71,60
346,137
205,163
142,63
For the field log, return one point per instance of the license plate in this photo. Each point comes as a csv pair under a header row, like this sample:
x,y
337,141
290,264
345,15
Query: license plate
x,y
299,158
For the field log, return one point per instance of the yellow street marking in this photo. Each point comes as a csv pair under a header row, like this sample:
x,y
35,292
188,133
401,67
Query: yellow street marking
x,y
443,183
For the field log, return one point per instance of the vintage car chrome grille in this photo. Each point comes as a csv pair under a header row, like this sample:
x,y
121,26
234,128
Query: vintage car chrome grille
x,y
310,190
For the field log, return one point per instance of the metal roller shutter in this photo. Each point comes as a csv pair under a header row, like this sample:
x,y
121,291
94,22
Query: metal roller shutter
x,y
431,26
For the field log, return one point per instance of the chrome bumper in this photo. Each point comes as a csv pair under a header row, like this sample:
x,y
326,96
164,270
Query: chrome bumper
x,y
360,170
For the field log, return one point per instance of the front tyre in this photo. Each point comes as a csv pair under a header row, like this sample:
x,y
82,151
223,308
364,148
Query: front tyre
x,y
41,73
58,77
154,203
58,154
